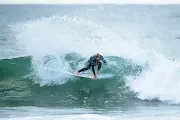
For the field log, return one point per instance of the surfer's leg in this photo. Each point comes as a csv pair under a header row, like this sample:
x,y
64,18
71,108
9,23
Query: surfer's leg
x,y
84,69
99,66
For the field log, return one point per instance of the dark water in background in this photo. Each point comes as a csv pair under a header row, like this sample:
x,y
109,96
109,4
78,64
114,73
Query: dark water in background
x,y
38,43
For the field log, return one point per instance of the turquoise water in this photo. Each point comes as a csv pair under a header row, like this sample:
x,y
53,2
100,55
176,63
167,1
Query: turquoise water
x,y
40,43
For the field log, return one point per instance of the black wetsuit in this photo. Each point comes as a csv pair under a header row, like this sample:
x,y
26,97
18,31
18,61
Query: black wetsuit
x,y
93,62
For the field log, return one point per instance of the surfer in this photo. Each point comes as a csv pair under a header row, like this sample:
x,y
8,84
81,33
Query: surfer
x,y
94,61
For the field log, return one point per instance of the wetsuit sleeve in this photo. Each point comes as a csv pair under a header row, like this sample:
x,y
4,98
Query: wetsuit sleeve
x,y
93,70
102,58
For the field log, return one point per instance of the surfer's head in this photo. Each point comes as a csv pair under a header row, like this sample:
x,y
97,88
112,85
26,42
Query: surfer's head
x,y
97,56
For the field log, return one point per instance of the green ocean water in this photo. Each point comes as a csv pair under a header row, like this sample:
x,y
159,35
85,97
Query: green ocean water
x,y
19,86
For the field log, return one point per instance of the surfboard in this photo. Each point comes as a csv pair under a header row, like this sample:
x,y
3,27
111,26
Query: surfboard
x,y
101,76
85,75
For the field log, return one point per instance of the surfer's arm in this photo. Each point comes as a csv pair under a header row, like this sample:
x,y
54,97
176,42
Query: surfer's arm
x,y
93,70
102,58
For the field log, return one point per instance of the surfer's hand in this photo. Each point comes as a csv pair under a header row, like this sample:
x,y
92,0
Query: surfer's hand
x,y
95,76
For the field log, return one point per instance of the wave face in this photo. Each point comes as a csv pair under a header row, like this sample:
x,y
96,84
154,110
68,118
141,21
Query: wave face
x,y
20,83
145,67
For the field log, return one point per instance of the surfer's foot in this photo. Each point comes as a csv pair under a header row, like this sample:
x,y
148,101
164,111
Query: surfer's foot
x,y
94,76
77,73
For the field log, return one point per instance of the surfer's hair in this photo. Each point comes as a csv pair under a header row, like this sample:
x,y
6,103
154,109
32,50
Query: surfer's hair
x,y
97,55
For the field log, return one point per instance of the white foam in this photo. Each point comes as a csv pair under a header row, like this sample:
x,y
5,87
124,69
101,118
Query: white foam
x,y
58,35
40,113
159,81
